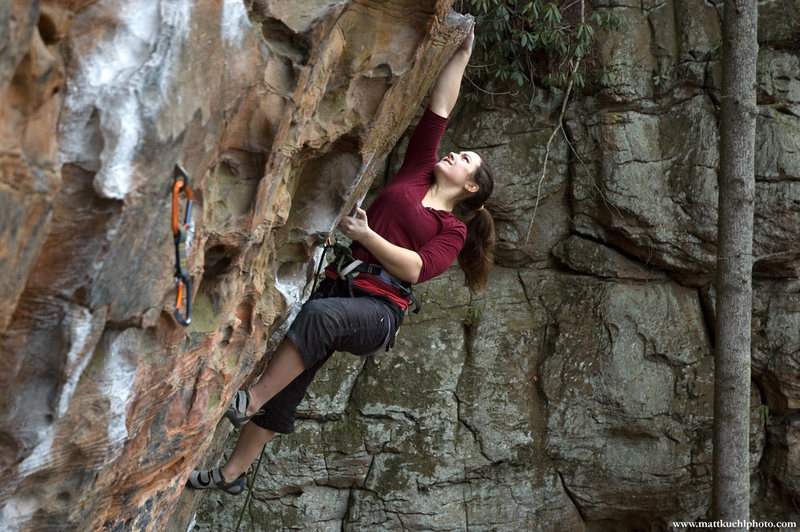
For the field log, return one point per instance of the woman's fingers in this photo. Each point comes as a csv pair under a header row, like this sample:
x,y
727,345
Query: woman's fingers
x,y
354,227
466,44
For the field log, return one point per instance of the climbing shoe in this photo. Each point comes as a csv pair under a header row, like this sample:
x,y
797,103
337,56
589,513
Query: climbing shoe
x,y
212,478
237,410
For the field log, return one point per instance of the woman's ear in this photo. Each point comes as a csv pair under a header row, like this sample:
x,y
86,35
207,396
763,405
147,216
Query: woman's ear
x,y
471,187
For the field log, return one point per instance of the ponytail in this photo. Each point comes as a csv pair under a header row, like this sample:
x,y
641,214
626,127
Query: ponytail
x,y
477,256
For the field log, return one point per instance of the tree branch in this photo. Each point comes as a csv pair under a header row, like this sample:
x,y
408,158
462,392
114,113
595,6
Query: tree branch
x,y
559,127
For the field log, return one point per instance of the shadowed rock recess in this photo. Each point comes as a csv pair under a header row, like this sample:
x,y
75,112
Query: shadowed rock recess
x,y
574,394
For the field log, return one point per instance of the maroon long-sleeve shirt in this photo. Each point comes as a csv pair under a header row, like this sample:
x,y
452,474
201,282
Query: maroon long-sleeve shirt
x,y
397,214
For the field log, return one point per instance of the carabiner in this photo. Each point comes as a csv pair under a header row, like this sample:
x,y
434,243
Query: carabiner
x,y
180,285
183,234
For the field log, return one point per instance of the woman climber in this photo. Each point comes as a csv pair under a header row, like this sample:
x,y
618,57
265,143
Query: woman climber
x,y
430,213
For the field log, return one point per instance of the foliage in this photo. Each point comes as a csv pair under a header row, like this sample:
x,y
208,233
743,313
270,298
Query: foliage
x,y
473,316
763,414
518,42
659,79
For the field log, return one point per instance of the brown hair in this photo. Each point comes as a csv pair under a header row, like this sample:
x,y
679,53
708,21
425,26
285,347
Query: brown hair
x,y
477,255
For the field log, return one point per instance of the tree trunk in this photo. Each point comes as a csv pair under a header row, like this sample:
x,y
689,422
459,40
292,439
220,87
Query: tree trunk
x,y
731,472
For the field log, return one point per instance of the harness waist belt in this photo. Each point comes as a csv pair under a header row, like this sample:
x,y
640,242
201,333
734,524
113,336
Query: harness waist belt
x,y
374,269
353,268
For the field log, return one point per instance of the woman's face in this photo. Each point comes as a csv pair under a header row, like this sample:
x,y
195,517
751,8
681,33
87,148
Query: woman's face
x,y
457,169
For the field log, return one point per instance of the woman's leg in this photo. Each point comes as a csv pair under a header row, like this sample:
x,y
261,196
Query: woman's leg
x,y
251,440
284,366
358,325
366,328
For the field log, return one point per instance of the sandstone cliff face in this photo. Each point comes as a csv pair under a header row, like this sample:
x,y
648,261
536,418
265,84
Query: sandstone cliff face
x,y
280,113
574,394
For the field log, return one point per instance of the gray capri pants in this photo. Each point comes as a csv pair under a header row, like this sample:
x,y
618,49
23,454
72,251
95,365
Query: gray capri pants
x,y
338,317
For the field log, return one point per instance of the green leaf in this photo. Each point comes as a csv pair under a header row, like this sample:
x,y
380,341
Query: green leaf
x,y
585,33
552,14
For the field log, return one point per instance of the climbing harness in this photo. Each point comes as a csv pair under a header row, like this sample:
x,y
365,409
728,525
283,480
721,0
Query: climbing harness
x,y
348,268
183,234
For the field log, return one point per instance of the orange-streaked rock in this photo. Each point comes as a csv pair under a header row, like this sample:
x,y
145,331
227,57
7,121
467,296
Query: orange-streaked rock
x,y
110,403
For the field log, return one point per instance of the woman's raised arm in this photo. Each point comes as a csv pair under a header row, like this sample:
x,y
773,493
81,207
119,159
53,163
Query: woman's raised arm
x,y
445,92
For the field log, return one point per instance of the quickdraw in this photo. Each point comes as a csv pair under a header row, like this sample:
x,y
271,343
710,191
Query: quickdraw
x,y
183,234
342,256
328,245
